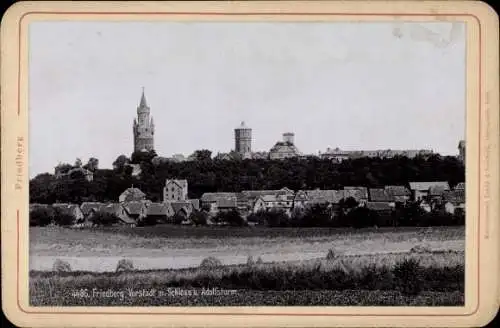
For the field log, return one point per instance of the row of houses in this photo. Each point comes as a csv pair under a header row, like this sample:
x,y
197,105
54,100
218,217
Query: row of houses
x,y
129,213
133,206
428,194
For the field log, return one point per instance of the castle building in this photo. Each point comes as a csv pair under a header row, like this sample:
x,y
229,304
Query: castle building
x,y
284,149
243,140
144,128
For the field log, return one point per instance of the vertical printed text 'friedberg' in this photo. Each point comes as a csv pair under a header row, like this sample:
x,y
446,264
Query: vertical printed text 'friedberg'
x,y
19,163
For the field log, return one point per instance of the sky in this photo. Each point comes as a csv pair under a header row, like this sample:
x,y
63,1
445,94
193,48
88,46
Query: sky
x,y
364,85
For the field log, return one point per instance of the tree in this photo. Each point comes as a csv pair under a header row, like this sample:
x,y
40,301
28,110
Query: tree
x,y
202,155
199,217
231,217
78,163
140,157
276,218
92,165
104,219
41,217
120,162
362,217
63,168
318,215
63,219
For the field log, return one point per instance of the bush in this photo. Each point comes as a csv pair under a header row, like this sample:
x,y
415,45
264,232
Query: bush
x,y
61,266
231,217
259,261
63,219
104,219
210,263
318,215
362,217
420,249
178,218
276,218
124,265
41,217
199,218
408,276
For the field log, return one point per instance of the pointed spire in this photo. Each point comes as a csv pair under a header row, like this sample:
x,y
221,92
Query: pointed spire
x,y
143,103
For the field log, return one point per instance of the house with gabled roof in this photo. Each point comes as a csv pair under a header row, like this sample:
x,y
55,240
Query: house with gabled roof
x,y
175,190
382,208
360,194
119,211
400,194
72,210
300,199
159,212
379,195
137,210
89,209
183,209
435,193
213,201
420,190
251,196
454,199
132,194
268,202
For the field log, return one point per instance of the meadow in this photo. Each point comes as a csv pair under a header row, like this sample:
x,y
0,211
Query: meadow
x,y
308,266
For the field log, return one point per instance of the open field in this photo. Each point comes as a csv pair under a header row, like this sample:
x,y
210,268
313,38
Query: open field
x,y
165,247
295,269
321,282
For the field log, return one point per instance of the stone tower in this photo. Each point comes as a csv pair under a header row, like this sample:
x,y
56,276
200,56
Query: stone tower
x,y
144,127
461,151
289,137
243,139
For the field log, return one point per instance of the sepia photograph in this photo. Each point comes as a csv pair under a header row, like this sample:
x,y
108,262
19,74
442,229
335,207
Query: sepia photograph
x,y
261,163
299,162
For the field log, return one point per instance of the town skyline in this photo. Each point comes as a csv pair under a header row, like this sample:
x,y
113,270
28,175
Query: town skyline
x,y
198,94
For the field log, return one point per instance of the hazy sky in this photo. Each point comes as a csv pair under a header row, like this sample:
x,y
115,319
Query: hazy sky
x,y
351,85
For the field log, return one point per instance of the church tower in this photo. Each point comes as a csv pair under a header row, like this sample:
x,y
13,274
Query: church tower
x,y
144,127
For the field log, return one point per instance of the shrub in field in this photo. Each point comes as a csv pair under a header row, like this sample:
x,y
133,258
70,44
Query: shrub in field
x,y
124,265
420,249
41,217
61,266
331,255
408,276
210,262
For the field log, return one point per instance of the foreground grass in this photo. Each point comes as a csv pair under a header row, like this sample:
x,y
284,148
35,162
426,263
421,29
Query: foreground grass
x,y
322,283
177,240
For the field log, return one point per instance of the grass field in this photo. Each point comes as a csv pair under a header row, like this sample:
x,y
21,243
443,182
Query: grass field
x,y
295,269
181,247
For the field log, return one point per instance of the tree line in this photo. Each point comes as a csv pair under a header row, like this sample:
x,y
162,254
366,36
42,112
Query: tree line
x,y
205,174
